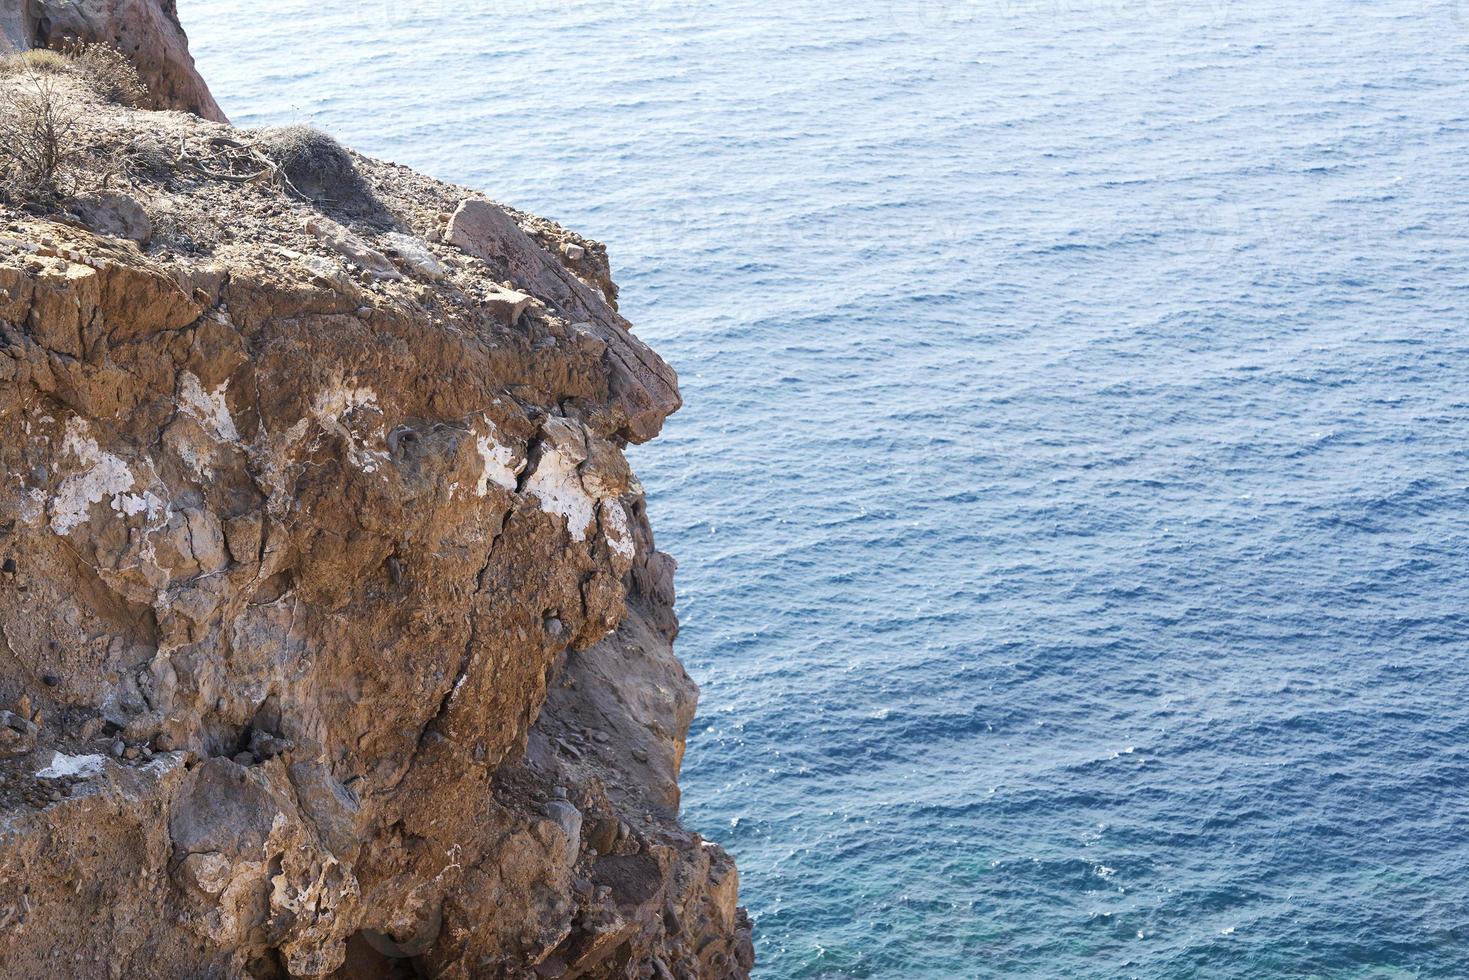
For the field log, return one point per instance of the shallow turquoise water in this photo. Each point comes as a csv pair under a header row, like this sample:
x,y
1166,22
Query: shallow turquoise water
x,y
1071,497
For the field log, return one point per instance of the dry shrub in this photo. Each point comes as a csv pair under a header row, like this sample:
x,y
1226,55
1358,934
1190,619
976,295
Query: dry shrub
x,y
317,167
38,133
149,156
108,72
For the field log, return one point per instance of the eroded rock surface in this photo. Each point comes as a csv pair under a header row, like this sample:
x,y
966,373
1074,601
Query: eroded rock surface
x,y
147,31
333,636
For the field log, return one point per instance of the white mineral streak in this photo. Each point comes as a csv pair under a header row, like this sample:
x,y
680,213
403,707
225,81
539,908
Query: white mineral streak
x,y
32,507
500,467
614,528
198,462
63,765
103,475
558,486
132,504
334,405
208,408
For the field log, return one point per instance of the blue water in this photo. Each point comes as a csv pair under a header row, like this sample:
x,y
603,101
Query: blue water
x,y
1072,497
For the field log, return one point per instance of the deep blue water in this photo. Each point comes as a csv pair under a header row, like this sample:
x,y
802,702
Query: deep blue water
x,y
1073,491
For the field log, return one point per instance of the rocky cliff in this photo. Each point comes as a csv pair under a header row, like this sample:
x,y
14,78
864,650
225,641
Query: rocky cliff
x,y
148,32
333,636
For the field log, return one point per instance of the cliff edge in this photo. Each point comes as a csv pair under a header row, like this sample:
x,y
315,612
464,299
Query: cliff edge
x,y
333,636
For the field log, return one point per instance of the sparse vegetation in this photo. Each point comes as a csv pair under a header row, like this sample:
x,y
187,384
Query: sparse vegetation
x,y
61,138
42,97
107,71
316,167
38,130
37,60
147,156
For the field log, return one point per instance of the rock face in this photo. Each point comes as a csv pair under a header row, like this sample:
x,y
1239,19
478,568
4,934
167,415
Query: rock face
x,y
333,636
147,31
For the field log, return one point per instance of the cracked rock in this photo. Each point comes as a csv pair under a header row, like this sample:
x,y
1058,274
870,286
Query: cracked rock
x,y
360,638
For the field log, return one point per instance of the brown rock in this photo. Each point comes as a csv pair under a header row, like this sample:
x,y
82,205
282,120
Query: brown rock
x,y
644,388
147,31
506,305
372,551
113,213
352,248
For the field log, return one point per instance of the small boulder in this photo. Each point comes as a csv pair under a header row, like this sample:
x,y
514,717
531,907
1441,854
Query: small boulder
x,y
602,836
209,872
352,248
264,745
328,272
413,256
113,213
568,818
17,734
506,305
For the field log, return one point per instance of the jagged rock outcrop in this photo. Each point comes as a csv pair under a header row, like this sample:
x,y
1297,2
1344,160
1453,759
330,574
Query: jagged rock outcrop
x,y
147,31
333,636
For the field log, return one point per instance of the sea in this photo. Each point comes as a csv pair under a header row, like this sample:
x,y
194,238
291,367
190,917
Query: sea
x,y
1072,494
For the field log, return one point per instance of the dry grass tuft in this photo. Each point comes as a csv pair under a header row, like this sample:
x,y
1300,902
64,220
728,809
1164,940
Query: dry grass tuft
x,y
101,68
37,60
149,156
317,167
